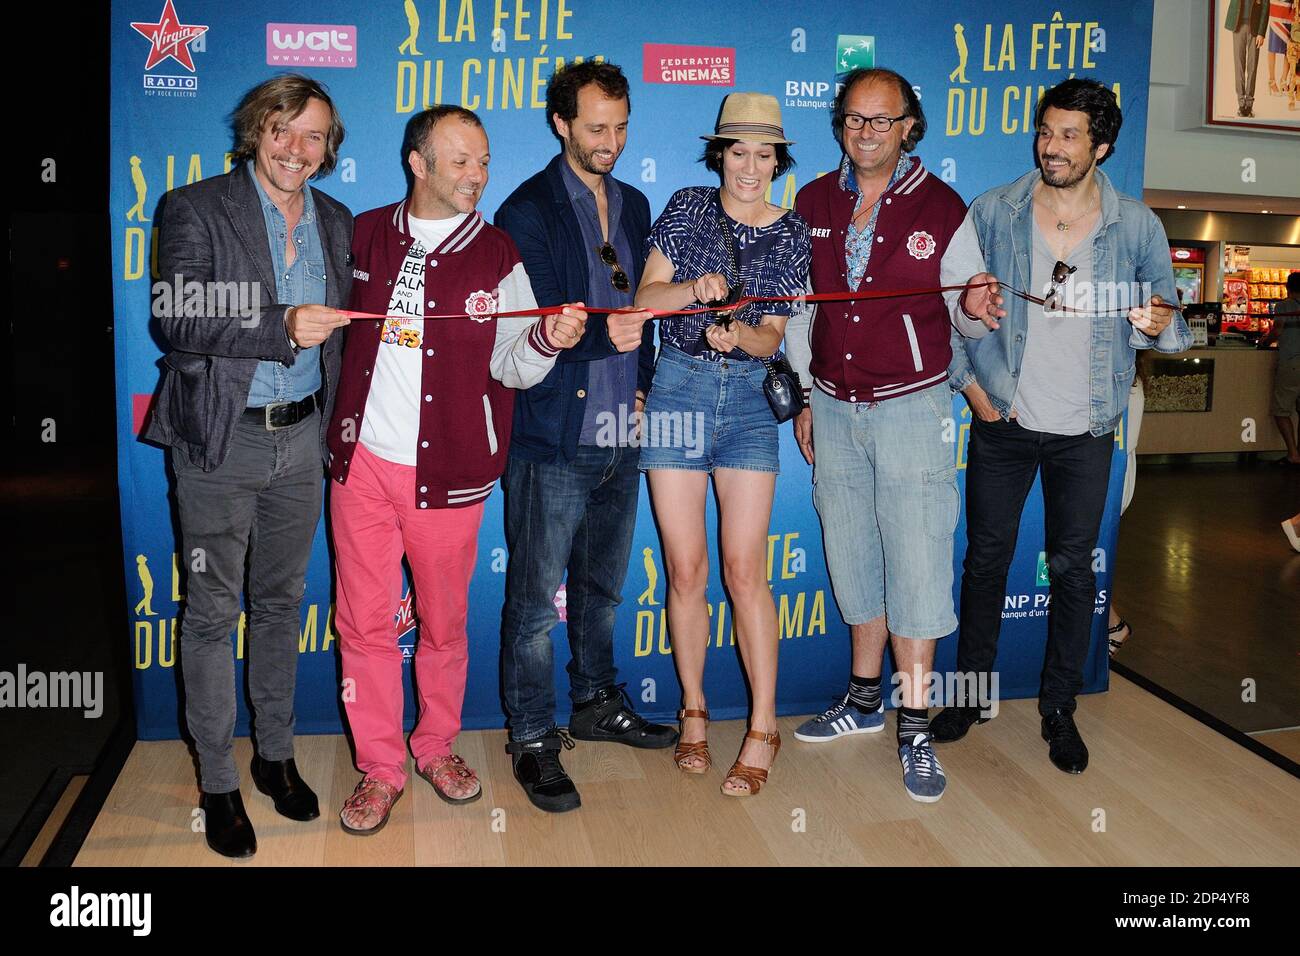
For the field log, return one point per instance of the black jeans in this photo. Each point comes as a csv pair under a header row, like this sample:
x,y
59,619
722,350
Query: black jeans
x,y
1002,462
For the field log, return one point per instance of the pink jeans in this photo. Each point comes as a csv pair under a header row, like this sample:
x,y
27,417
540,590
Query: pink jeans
x,y
374,520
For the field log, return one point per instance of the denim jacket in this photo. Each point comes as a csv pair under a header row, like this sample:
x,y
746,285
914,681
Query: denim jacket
x,y
1129,247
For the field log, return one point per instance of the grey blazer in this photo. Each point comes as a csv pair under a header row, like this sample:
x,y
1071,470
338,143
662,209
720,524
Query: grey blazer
x,y
214,231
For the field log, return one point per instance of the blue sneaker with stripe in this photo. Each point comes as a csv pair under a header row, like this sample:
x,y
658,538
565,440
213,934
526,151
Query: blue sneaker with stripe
x,y
841,720
922,776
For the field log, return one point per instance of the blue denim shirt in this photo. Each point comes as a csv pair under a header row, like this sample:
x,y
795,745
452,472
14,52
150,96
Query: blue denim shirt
x,y
1130,247
298,284
611,381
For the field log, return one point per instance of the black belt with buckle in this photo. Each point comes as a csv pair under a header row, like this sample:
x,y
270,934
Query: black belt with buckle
x,y
282,414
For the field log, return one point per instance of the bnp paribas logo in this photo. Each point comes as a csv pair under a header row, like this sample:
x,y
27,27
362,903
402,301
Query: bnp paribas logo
x,y
852,53
1042,578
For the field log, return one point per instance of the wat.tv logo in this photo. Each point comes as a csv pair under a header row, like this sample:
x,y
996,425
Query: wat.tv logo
x,y
169,39
311,45
853,53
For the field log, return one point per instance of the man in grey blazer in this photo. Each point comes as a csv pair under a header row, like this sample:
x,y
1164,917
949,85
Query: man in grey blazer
x,y
245,398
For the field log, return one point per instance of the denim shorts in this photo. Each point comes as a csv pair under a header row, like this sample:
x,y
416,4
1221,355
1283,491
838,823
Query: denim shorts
x,y
885,487
702,415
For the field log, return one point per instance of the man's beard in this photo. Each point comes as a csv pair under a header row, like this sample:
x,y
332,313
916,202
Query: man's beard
x,y
586,161
1071,176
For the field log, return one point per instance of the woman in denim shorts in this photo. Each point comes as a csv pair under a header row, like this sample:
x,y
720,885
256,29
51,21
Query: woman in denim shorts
x,y
706,413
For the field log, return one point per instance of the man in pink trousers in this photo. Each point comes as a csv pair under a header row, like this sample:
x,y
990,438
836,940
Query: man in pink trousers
x,y
417,442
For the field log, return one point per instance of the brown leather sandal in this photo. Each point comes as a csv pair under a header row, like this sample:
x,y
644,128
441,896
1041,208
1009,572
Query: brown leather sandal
x,y
754,776
697,748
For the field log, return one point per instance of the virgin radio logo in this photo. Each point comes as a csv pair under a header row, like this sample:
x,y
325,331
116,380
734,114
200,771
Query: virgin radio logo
x,y
169,39
311,45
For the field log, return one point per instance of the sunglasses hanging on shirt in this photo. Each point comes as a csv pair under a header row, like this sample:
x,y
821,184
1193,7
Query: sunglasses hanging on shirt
x,y
1060,275
617,275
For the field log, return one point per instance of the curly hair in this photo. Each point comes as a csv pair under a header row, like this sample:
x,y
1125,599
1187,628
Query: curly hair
x,y
562,90
1085,95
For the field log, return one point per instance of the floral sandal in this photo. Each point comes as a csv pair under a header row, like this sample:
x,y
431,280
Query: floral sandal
x,y
452,779
373,799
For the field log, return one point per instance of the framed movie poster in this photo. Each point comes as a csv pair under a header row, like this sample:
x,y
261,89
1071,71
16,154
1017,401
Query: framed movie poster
x,y
1252,77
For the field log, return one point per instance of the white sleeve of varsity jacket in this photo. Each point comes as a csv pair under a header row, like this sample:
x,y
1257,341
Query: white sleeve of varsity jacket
x,y
798,339
962,259
521,354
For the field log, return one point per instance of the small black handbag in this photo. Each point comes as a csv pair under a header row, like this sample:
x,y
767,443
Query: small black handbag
x,y
782,388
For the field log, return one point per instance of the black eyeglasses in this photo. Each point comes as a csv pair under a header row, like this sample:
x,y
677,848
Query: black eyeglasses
x,y
881,124
617,277
1060,275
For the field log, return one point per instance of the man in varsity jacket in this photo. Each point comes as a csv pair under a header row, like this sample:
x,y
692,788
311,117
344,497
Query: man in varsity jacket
x,y
417,442
885,481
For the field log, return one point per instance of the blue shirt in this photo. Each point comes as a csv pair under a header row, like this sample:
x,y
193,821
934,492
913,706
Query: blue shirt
x,y
764,260
611,381
298,284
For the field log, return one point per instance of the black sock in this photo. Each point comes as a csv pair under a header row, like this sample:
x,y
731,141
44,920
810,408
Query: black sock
x,y
911,723
864,693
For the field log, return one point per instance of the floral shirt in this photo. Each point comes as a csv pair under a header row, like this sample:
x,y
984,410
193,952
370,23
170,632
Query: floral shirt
x,y
857,244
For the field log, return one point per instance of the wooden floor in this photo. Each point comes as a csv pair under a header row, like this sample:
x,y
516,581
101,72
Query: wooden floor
x,y
1212,590
1169,791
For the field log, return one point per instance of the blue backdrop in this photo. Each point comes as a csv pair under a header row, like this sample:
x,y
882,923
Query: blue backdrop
x,y
180,66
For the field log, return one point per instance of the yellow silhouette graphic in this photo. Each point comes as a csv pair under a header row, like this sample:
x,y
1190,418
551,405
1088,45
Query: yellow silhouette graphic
x,y
146,582
959,37
652,579
136,212
413,20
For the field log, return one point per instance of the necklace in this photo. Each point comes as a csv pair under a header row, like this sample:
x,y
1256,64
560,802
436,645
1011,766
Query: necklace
x,y
1063,225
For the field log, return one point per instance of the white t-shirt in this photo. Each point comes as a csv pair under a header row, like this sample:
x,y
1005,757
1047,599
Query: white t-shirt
x,y
390,428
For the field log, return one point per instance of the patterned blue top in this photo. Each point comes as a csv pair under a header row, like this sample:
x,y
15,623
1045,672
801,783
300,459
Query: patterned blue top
x,y
772,260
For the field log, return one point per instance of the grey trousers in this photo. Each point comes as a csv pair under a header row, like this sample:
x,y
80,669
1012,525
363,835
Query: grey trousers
x,y
1245,61
258,510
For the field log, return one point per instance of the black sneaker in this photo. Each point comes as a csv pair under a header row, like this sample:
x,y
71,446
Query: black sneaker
x,y
609,716
1065,747
951,723
538,770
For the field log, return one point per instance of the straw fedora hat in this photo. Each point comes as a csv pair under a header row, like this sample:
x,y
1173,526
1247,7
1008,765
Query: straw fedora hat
x,y
753,117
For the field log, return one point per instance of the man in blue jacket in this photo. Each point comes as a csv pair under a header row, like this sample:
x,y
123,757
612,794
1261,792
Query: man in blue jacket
x,y
1048,382
571,479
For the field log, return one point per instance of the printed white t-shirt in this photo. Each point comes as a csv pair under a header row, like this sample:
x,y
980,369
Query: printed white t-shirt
x,y
391,426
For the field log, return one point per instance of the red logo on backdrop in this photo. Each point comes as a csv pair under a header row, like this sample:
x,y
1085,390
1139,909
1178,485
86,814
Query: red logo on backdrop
x,y
311,44
920,245
689,65
169,38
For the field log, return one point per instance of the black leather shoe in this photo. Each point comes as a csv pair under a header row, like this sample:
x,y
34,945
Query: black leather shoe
x,y
226,826
279,780
951,723
1065,746
538,770
609,716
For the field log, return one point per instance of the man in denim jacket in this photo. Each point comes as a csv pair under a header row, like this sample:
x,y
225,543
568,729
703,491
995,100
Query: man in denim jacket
x,y
1048,382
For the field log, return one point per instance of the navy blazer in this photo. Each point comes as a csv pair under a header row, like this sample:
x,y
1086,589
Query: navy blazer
x,y
540,219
